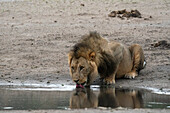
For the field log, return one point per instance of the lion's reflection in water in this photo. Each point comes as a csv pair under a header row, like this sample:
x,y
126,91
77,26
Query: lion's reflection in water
x,y
83,98
107,97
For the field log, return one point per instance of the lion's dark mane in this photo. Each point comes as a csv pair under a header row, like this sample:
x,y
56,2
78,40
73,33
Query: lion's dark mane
x,y
94,43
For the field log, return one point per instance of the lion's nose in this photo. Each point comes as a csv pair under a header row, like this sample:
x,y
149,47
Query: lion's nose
x,y
76,81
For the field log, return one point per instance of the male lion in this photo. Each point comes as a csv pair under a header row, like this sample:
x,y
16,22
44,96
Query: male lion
x,y
94,55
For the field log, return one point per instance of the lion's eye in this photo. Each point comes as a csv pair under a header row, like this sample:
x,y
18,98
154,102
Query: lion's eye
x,y
72,67
81,67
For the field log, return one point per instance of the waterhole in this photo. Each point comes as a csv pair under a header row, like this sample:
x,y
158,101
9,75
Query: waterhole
x,y
65,97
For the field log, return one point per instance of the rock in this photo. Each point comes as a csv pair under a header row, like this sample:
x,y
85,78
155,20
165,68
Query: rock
x,y
123,13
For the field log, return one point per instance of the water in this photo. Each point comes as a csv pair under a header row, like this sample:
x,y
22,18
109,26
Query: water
x,y
67,97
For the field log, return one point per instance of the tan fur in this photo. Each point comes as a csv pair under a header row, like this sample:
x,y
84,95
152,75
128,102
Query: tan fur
x,y
94,55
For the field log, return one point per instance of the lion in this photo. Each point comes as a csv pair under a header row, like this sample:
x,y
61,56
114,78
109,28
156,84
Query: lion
x,y
94,56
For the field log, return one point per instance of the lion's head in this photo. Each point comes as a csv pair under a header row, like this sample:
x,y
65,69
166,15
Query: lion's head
x,y
84,58
83,70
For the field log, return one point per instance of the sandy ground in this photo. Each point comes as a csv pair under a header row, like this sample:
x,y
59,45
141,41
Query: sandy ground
x,y
36,35
92,111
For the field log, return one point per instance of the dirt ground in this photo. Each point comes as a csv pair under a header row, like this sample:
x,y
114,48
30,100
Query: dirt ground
x,y
36,35
91,111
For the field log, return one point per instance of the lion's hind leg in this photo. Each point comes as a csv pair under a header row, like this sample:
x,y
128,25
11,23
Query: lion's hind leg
x,y
138,61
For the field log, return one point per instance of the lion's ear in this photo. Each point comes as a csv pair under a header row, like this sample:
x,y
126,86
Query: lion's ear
x,y
92,56
70,57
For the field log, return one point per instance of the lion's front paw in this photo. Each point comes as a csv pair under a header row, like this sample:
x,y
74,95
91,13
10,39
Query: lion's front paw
x,y
131,75
109,81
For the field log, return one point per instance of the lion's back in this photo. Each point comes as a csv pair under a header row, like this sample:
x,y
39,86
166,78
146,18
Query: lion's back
x,y
121,52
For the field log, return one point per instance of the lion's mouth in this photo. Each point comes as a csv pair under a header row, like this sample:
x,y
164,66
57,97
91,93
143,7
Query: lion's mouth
x,y
80,85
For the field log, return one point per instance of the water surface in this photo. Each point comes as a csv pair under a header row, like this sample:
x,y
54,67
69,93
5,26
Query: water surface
x,y
67,97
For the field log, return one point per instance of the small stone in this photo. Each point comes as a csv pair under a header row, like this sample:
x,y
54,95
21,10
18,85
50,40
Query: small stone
x,y
112,14
146,18
82,5
161,88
